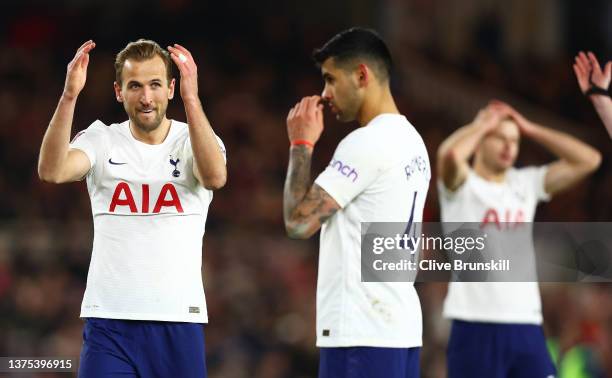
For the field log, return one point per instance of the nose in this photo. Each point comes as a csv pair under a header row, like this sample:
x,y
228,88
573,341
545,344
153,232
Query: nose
x,y
326,94
146,97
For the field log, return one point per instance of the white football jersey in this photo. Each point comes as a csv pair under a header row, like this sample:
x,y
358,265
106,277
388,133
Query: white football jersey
x,y
149,213
374,175
496,207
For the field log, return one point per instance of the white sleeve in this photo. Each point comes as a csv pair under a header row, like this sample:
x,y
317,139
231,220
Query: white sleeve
x,y
90,141
189,150
535,178
353,168
222,147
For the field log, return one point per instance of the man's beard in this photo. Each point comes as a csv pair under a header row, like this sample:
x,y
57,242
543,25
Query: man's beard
x,y
151,125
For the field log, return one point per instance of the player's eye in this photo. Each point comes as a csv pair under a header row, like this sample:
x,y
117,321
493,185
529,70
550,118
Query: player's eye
x,y
156,85
133,86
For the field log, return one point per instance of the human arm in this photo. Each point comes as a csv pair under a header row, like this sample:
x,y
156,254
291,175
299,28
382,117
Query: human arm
x,y
57,163
455,151
305,206
589,72
576,159
209,165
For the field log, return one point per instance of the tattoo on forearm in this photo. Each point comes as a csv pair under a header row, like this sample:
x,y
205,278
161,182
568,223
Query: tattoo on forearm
x,y
298,178
301,205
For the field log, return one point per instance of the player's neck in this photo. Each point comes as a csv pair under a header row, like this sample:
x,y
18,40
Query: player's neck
x,y
156,136
488,174
377,102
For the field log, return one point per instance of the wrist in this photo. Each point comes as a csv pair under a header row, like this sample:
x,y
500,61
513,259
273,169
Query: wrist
x,y
302,142
599,100
67,96
191,100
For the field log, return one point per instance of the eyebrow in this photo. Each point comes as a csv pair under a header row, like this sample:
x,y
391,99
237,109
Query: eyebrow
x,y
139,83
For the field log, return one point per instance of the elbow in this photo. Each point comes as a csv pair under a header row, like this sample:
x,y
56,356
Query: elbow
x,y
216,181
47,177
447,156
593,162
297,231
596,161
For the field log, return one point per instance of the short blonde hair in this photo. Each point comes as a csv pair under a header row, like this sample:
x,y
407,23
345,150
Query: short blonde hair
x,y
143,49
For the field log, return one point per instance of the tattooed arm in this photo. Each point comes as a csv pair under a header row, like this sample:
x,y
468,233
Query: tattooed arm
x,y
304,209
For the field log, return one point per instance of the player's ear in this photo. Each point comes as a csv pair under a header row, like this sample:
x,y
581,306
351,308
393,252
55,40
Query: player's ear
x,y
171,89
118,94
363,74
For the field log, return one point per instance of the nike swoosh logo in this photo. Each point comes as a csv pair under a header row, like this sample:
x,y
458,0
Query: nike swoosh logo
x,y
114,163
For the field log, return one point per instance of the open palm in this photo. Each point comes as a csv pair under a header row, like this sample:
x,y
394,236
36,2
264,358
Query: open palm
x,y
588,72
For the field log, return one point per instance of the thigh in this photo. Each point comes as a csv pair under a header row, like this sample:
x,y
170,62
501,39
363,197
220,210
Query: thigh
x,y
172,349
532,357
104,352
369,362
475,350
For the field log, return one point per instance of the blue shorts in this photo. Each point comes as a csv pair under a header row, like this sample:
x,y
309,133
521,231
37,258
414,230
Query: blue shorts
x,y
369,362
497,350
135,348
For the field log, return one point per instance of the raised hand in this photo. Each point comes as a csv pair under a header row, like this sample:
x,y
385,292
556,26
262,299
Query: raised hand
x,y
588,72
503,109
488,118
188,70
305,120
76,73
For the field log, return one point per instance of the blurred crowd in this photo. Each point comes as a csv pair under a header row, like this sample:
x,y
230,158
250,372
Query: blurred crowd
x,y
254,63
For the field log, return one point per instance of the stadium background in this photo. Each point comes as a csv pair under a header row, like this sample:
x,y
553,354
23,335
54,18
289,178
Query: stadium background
x,y
254,62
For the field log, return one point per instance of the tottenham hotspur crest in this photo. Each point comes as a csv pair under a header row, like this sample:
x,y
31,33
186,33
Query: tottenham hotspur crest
x,y
175,172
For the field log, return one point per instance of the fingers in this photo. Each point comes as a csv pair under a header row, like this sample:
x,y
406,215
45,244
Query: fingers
x,y
84,61
291,113
594,63
85,45
183,50
180,55
312,104
81,58
319,113
582,78
309,106
583,65
580,72
608,70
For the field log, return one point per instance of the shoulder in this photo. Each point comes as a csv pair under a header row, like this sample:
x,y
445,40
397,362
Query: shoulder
x,y
95,131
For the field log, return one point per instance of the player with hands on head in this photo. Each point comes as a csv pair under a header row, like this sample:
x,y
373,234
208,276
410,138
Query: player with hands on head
x,y
594,83
364,329
150,181
497,325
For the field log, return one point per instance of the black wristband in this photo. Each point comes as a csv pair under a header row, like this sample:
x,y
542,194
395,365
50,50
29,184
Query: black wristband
x,y
595,90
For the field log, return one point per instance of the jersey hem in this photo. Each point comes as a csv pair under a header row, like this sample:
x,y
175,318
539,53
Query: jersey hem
x,y
138,316
495,318
366,342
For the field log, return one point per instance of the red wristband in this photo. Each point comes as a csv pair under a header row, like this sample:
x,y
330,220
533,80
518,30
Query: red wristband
x,y
298,142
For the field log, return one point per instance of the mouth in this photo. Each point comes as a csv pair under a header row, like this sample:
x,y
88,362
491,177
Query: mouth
x,y
145,111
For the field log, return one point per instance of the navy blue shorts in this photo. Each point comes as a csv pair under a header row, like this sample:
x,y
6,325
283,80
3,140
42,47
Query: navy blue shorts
x,y
369,362
497,350
135,348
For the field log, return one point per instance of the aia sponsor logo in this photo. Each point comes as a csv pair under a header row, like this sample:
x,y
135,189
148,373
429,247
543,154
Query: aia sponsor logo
x,y
510,219
123,197
344,169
